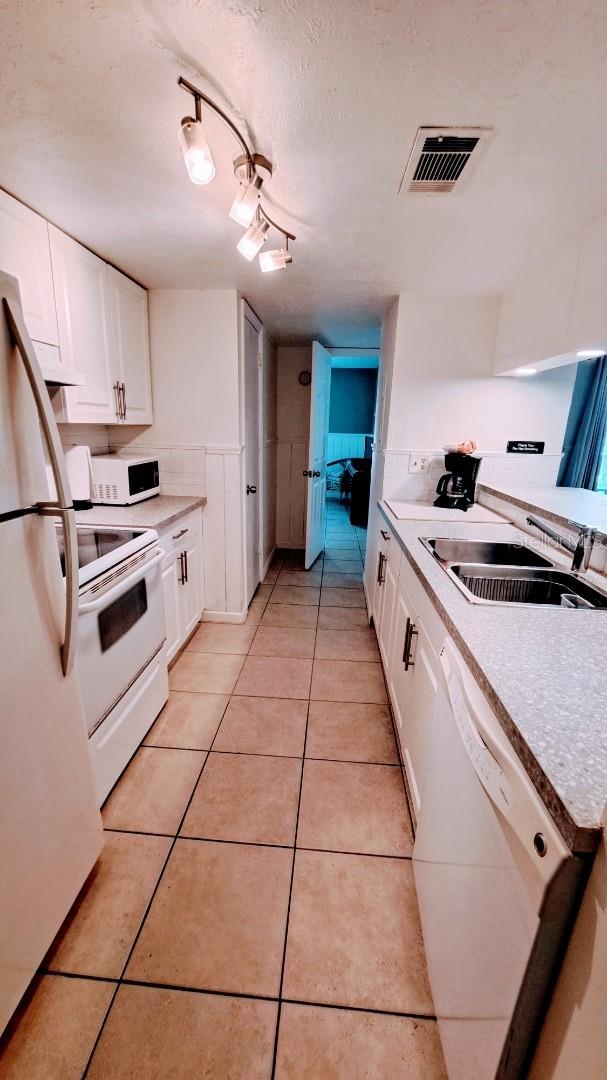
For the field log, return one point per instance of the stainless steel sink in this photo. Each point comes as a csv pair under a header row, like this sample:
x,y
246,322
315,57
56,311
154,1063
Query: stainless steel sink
x,y
526,587
485,552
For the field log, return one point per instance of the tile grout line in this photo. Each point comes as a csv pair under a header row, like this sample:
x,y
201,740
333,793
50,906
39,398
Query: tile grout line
x,y
148,906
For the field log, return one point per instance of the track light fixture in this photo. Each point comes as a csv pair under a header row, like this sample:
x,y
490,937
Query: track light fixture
x,y
250,170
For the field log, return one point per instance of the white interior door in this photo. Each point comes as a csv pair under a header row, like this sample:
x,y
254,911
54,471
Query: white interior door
x,y
251,335
317,454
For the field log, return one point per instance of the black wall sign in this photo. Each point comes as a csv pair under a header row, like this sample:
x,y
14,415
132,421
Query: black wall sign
x,y
524,446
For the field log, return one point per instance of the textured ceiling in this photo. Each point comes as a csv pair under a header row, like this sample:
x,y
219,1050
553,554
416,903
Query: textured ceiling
x,y
333,91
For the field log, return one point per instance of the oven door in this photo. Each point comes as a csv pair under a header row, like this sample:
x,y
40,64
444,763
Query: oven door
x,y
120,628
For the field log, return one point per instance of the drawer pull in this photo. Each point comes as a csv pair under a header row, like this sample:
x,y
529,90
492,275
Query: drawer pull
x,y
385,535
410,632
181,532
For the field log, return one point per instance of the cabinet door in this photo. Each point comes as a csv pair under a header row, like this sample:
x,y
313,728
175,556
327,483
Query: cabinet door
x,y
130,344
379,570
171,572
83,314
25,253
390,589
191,593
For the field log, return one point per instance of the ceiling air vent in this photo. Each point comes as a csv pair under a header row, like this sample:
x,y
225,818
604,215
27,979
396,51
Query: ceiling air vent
x,y
440,156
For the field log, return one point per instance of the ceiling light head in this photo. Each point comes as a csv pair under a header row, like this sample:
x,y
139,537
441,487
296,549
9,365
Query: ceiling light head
x,y
525,371
253,240
245,204
196,151
590,354
278,259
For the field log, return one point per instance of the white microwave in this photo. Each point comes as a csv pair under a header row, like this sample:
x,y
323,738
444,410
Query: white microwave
x,y
122,479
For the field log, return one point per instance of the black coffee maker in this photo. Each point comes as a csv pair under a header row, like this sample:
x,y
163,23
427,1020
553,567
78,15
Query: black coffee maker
x,y
456,488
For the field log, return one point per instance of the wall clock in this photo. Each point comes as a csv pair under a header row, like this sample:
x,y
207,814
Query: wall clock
x,y
304,378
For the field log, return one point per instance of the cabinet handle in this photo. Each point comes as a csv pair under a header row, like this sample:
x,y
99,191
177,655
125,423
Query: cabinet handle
x,y
385,535
123,400
117,400
181,564
380,568
410,632
181,532
185,563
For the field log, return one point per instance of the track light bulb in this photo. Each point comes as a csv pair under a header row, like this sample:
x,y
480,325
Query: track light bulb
x,y
253,239
244,206
196,151
274,260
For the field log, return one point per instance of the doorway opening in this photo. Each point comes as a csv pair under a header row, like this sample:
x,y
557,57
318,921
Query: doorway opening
x,y
353,400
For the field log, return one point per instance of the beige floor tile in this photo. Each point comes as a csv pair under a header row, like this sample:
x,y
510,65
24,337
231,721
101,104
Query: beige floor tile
x,y
153,1034
339,618
349,732
346,645
222,638
152,794
263,592
294,560
52,1035
348,680
207,673
315,1042
256,610
188,720
274,676
101,927
338,548
283,641
336,597
352,579
354,934
304,578
263,726
346,806
218,919
296,594
290,615
342,566
272,574
248,798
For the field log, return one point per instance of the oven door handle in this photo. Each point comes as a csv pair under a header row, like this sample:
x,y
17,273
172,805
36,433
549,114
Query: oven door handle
x,y
122,586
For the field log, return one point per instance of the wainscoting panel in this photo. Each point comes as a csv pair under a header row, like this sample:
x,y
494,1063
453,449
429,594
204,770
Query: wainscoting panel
x,y
340,446
291,496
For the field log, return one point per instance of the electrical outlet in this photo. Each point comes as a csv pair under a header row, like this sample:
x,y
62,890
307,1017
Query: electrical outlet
x,y
419,463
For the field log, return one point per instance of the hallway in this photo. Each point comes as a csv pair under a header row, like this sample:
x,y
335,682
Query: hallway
x,y
254,912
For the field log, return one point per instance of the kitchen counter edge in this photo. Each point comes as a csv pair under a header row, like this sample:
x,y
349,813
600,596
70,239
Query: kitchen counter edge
x,y
157,513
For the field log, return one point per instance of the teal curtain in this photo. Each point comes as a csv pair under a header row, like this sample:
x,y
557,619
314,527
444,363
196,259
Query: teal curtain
x,y
581,463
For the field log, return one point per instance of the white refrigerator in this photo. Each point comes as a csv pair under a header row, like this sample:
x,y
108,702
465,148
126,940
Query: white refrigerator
x,y
50,827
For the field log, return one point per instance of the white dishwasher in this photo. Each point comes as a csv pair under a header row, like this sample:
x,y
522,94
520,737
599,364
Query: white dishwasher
x,y
496,884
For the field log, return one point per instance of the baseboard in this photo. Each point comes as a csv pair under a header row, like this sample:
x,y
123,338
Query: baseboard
x,y
367,601
267,564
225,616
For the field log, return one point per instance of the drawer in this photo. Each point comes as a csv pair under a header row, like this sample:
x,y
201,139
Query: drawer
x,y
181,531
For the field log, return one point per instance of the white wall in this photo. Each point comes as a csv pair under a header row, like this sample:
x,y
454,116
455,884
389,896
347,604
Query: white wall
x,y
444,390
269,436
293,429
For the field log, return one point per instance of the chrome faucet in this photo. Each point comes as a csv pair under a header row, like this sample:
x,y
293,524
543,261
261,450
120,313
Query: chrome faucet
x,y
580,549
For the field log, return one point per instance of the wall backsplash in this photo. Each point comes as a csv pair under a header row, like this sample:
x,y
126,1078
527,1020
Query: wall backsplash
x,y
539,470
182,468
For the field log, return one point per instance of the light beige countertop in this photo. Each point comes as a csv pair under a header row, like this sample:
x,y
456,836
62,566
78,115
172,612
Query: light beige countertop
x,y
558,504
544,671
156,513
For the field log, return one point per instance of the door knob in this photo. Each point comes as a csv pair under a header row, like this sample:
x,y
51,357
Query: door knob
x,y
306,472
251,490
315,473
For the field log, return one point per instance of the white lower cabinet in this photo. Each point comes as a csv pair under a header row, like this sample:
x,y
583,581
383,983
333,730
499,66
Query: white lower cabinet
x,y
182,581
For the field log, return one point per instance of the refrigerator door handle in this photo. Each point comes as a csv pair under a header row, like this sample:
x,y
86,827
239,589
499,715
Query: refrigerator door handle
x,y
63,507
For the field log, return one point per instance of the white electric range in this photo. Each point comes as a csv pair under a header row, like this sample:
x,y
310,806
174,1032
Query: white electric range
x,y
121,634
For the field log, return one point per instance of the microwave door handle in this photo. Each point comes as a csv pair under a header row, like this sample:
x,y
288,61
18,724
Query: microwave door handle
x,y
63,507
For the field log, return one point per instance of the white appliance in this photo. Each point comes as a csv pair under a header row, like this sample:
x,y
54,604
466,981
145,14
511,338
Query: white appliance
x,y
78,462
122,479
50,832
121,634
496,884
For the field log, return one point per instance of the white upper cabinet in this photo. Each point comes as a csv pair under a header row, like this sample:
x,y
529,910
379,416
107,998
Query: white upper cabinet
x,y
130,346
81,291
24,253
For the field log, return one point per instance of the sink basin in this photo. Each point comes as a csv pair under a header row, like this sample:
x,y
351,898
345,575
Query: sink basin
x,y
526,586
487,553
